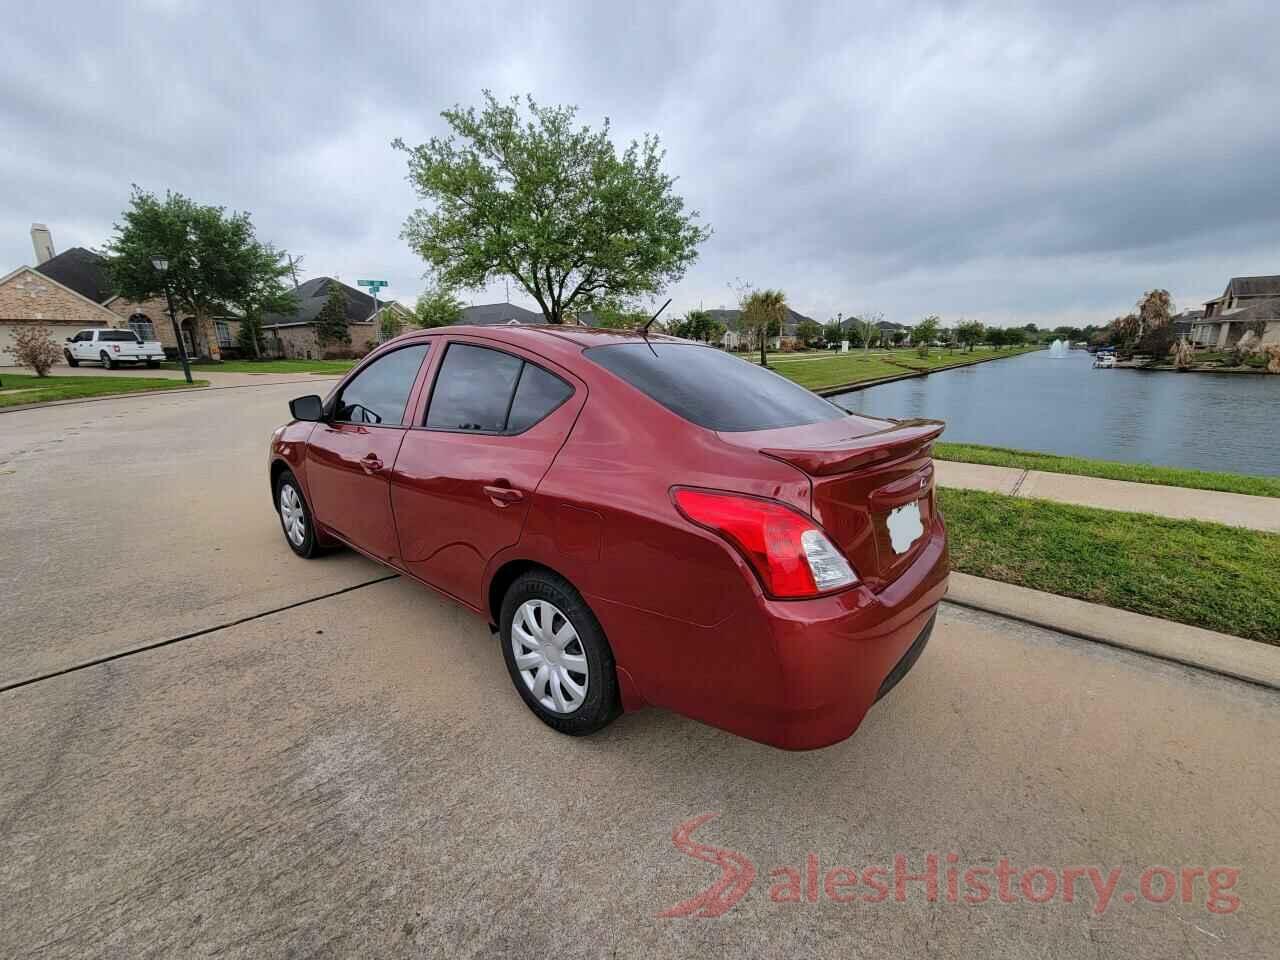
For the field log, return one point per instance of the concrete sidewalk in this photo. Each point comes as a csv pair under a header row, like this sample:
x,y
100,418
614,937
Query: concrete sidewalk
x,y
1178,503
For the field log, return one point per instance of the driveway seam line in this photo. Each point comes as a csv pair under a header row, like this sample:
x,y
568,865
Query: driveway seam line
x,y
121,654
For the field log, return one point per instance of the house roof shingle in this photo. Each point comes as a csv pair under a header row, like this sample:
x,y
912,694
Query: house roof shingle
x,y
81,270
311,297
1253,287
496,314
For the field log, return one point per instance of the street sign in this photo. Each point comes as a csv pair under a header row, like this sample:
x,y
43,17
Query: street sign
x,y
373,285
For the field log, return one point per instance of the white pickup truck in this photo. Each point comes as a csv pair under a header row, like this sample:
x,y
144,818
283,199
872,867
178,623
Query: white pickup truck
x,y
111,347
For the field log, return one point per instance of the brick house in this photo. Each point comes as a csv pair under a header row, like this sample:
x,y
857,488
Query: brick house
x,y
293,334
72,290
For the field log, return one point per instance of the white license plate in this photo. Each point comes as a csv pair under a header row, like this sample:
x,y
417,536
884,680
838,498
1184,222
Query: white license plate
x,y
905,527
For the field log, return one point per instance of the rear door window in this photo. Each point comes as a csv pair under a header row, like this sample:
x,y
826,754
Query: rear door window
x,y
713,389
379,392
118,336
489,391
537,394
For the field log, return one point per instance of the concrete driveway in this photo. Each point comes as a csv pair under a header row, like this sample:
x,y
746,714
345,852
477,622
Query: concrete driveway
x,y
354,777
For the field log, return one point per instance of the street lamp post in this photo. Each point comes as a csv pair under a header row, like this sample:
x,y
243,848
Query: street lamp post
x,y
162,267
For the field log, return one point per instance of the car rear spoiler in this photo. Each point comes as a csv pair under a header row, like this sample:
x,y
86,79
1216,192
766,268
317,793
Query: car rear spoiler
x,y
850,454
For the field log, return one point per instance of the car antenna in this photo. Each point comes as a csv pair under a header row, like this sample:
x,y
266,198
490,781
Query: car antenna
x,y
644,331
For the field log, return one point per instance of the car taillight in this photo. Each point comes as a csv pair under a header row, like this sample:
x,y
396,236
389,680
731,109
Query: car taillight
x,y
115,347
787,550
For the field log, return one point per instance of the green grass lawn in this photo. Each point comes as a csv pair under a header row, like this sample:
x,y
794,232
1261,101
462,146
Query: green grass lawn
x,y
1108,469
837,369
19,388
1217,577
269,366
939,359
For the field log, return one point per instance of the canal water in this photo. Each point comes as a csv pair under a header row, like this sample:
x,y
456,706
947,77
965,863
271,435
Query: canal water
x,y
1207,421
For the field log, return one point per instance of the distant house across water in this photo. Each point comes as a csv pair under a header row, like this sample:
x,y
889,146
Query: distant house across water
x,y
1245,301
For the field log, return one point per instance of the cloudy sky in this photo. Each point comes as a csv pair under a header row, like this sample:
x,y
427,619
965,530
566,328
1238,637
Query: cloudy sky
x,y
987,161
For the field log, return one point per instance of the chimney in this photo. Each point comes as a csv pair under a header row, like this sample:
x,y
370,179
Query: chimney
x,y
42,242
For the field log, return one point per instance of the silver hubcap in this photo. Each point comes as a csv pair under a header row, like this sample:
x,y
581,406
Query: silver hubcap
x,y
549,656
292,516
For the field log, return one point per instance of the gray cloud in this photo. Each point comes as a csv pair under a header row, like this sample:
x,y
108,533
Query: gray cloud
x,y
1006,163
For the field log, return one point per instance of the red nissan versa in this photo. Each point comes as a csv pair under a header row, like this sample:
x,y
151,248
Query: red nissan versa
x,y
647,521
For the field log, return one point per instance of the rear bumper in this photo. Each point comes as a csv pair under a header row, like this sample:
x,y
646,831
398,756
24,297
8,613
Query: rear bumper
x,y
800,675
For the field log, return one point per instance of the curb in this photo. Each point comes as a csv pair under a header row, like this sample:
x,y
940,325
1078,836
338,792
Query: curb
x,y
1250,661
23,407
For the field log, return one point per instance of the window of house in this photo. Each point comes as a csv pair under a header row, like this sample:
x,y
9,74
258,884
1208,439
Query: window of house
x,y
379,392
224,333
488,391
141,324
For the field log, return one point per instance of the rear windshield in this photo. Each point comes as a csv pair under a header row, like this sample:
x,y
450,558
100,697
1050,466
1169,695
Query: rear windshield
x,y
713,389
118,336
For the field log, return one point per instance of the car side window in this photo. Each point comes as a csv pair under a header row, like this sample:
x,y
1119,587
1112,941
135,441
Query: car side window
x,y
488,391
379,392
473,389
537,394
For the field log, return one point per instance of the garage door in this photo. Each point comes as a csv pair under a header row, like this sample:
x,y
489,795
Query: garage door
x,y
59,332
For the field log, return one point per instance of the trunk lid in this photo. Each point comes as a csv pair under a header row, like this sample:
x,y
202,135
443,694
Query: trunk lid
x,y
869,477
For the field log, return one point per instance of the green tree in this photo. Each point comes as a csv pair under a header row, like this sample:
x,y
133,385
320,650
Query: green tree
x,y
215,259
389,324
763,313
867,327
833,332
925,332
995,337
617,315
970,332
548,203
267,293
1014,337
437,307
808,332
249,339
331,321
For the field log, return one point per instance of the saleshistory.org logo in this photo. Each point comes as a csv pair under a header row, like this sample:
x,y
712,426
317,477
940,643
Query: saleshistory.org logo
x,y
942,878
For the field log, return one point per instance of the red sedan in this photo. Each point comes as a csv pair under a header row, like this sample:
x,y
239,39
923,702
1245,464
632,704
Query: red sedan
x,y
645,521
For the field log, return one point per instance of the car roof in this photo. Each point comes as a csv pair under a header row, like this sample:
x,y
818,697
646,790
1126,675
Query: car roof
x,y
549,339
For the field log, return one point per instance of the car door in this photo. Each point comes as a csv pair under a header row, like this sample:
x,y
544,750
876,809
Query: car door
x,y
465,476
82,347
351,453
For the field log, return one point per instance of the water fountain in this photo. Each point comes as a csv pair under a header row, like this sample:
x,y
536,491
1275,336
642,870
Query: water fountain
x,y
1057,350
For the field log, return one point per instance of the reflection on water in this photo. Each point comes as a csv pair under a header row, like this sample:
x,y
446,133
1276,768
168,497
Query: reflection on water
x,y
1207,421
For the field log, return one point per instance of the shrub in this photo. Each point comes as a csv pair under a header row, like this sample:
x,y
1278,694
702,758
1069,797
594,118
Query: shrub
x,y
33,347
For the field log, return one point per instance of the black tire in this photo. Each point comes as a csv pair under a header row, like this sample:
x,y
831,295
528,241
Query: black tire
x,y
309,547
107,362
71,361
152,364
601,704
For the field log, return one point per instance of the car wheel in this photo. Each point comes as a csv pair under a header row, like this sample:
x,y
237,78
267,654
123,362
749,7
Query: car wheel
x,y
295,516
107,362
152,364
557,655
71,361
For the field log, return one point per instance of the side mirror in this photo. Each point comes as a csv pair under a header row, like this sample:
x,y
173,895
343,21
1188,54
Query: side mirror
x,y
69,339
310,407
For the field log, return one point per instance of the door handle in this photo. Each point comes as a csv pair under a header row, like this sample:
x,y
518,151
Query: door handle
x,y
371,463
503,496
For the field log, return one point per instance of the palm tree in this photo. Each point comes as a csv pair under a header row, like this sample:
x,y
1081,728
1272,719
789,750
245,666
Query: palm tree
x,y
764,311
